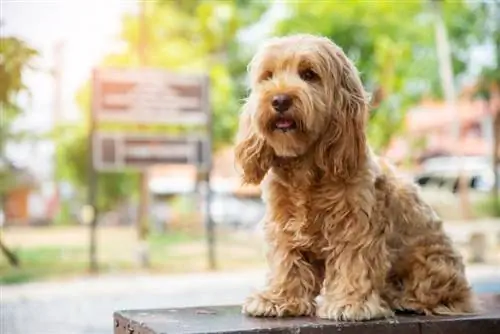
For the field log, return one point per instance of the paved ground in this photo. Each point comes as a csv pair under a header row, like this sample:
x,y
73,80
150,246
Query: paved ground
x,y
85,306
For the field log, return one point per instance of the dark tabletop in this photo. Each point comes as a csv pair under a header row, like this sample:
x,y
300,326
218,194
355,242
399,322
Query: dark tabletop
x,y
228,319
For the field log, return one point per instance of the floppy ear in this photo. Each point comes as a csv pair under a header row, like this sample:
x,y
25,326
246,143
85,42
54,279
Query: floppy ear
x,y
252,153
342,149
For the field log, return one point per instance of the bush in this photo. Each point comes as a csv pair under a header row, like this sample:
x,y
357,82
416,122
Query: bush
x,y
487,207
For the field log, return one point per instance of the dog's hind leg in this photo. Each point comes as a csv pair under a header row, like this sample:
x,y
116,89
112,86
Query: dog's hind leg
x,y
432,280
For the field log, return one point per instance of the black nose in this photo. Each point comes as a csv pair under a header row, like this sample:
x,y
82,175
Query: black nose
x,y
281,102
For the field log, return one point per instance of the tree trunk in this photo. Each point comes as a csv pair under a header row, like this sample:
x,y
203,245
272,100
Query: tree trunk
x,y
495,109
494,104
494,190
11,257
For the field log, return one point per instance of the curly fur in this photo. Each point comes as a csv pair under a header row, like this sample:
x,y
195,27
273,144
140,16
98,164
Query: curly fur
x,y
339,221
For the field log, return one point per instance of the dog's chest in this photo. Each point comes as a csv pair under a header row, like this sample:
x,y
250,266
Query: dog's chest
x,y
298,214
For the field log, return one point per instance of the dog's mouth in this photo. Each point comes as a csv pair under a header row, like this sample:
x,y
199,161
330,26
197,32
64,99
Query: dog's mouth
x,y
284,124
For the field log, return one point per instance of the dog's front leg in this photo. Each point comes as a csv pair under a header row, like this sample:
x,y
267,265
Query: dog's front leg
x,y
292,286
356,266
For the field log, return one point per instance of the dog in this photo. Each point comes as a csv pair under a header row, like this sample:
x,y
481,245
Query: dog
x,y
339,223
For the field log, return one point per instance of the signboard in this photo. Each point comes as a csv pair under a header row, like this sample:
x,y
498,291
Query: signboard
x,y
119,151
150,96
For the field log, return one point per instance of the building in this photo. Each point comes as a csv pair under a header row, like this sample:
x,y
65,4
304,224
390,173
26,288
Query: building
x,y
17,187
430,130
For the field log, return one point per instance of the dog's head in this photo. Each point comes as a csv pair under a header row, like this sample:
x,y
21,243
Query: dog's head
x,y
305,95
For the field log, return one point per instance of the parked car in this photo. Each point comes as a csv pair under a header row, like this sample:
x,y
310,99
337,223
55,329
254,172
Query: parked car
x,y
443,173
229,210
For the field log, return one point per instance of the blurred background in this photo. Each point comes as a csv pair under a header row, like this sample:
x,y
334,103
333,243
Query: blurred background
x,y
84,233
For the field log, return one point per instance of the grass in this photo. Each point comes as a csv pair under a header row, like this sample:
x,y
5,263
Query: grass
x,y
62,252
39,262
487,207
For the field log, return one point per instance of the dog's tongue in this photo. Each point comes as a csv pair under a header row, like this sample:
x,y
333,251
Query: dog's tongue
x,y
283,123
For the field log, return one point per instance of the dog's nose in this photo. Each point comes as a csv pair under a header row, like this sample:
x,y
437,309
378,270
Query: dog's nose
x,y
281,102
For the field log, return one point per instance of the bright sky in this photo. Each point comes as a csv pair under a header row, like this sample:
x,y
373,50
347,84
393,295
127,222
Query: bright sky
x,y
88,28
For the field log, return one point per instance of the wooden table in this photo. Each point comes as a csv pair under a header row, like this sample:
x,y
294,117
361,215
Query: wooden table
x,y
228,319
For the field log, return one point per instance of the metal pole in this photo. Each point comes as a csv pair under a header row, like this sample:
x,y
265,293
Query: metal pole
x,y
209,223
92,186
57,75
57,107
142,43
494,107
446,73
143,217
143,223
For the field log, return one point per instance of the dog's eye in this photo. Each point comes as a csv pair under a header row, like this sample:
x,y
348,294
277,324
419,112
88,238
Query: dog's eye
x,y
266,76
308,75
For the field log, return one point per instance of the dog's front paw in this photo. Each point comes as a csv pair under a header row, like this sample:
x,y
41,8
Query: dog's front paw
x,y
266,305
342,310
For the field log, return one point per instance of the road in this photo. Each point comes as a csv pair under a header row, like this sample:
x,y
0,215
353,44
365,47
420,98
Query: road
x,y
85,306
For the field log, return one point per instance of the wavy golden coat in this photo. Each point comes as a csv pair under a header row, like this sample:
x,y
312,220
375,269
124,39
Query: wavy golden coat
x,y
339,221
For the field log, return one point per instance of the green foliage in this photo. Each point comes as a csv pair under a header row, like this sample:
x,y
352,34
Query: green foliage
x,y
392,43
487,86
488,80
72,161
59,259
490,76
15,58
191,36
200,37
42,262
393,46
72,154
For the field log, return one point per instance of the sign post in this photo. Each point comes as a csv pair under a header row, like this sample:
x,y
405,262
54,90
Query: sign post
x,y
92,184
209,223
149,96
143,214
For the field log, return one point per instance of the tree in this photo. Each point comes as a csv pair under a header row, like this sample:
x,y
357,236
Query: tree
x,y
392,44
488,87
198,36
15,58
72,159
72,156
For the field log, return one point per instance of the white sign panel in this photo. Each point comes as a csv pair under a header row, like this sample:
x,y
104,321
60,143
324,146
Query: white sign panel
x,y
150,96
118,151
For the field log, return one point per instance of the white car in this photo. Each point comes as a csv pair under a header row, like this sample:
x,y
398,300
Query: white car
x,y
443,172
233,211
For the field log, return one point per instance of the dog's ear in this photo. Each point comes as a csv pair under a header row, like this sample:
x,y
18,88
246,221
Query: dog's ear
x,y
342,149
252,153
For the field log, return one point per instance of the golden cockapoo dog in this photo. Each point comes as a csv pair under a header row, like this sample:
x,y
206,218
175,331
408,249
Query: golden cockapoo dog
x,y
339,222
